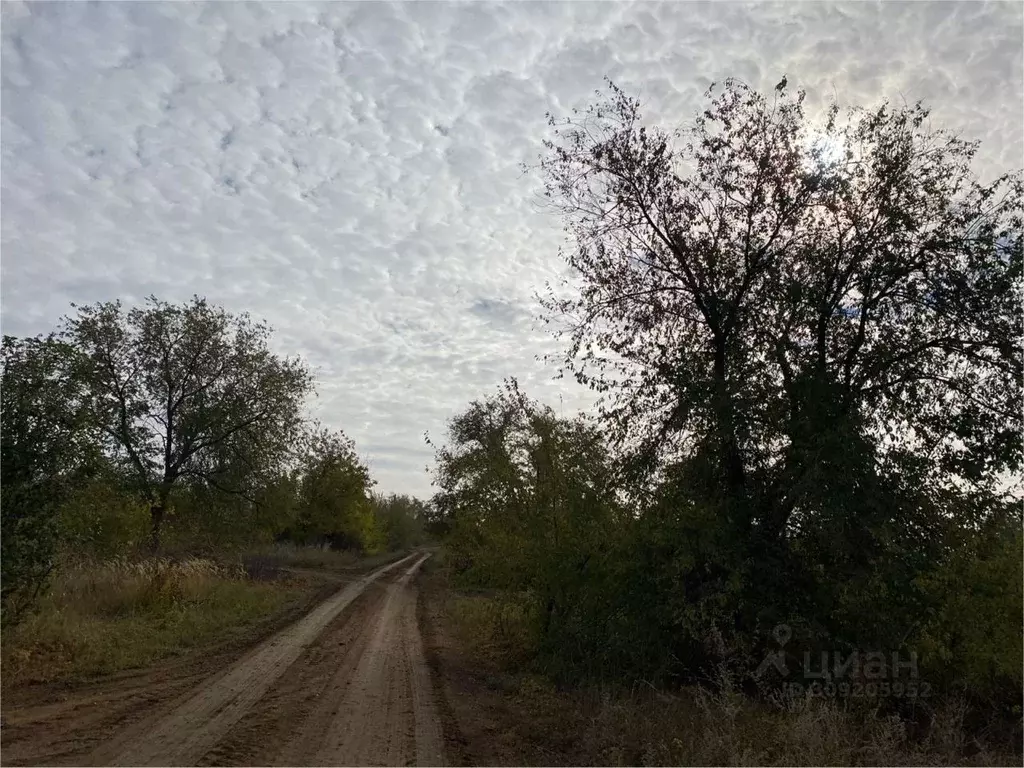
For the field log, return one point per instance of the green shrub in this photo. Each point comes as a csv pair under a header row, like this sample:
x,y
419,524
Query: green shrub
x,y
972,638
100,519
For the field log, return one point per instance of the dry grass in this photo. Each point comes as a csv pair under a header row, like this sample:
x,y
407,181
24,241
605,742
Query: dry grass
x,y
105,617
492,627
707,725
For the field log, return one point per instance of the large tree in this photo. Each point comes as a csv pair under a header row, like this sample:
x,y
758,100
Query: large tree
x,y
811,307
187,391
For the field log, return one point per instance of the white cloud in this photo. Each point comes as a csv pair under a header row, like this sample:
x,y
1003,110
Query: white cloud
x,y
351,172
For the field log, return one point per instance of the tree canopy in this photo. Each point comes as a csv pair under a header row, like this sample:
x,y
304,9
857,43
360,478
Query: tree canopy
x,y
808,303
49,444
187,391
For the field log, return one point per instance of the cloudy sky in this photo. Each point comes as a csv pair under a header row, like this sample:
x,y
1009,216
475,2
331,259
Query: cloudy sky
x,y
351,171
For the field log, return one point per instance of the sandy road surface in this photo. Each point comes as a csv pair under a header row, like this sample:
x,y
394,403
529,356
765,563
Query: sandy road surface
x,y
346,684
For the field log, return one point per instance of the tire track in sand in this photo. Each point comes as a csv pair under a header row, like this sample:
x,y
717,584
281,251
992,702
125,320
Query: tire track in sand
x,y
382,711
190,730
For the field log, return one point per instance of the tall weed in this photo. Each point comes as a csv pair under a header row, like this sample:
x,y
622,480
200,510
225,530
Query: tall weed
x,y
101,617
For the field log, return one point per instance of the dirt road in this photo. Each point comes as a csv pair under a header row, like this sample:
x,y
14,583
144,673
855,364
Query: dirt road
x,y
346,684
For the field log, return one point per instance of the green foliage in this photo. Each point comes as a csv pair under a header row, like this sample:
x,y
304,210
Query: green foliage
x,y
972,636
824,344
530,509
188,393
173,420
204,519
333,505
793,313
103,520
47,450
401,520
811,396
810,379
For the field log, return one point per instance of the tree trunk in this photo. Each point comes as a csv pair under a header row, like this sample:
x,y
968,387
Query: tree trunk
x,y
735,477
157,507
156,517
548,613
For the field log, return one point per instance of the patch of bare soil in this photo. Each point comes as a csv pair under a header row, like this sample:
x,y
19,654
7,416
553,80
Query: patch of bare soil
x,y
483,721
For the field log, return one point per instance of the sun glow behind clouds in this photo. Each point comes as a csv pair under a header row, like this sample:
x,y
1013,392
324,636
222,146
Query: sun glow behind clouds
x,y
825,150
352,171
829,148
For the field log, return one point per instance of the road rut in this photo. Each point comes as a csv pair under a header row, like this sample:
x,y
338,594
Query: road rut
x,y
337,687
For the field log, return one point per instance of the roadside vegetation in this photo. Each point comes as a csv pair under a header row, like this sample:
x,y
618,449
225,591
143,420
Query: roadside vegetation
x,y
541,720
104,617
791,532
162,489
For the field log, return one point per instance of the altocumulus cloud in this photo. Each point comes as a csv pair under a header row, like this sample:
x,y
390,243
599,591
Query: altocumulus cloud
x,y
351,172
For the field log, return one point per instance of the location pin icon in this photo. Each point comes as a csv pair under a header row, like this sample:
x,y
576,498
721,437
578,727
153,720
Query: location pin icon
x,y
782,633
